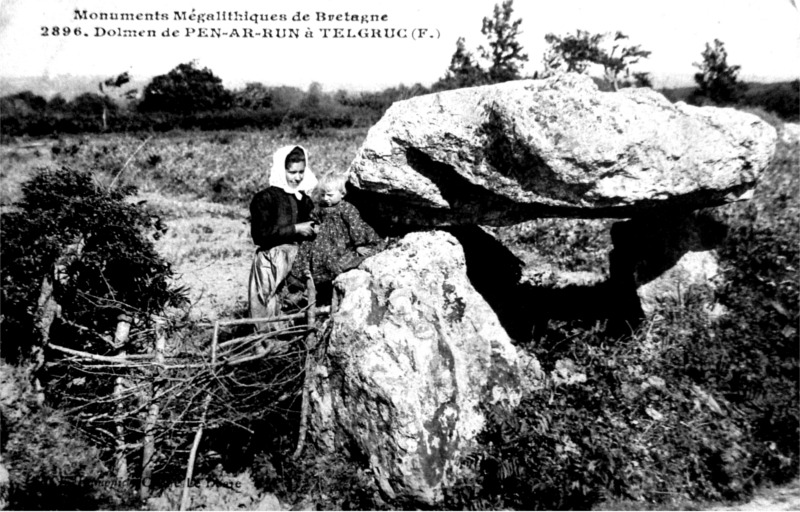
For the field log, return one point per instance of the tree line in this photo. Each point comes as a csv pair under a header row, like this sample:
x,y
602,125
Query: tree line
x,y
193,97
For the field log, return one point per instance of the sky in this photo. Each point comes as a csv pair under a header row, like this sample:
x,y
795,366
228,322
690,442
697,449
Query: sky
x,y
761,36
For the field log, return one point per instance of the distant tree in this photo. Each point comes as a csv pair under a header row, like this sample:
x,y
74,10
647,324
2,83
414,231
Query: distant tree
x,y
22,104
552,62
415,90
341,96
572,53
254,96
575,53
504,51
642,79
21,112
57,104
717,80
285,97
616,63
184,90
313,97
318,110
91,105
464,71
114,84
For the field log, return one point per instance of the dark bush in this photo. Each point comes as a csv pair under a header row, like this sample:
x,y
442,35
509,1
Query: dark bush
x,y
116,270
782,99
702,413
185,89
330,481
51,464
52,467
687,409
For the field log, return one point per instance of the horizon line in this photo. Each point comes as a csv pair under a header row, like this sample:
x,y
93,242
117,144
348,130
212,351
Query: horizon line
x,y
660,81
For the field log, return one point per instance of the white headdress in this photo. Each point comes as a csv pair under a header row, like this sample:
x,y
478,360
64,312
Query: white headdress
x,y
277,175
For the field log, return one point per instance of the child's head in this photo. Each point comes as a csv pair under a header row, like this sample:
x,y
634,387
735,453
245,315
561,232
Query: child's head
x,y
331,189
295,167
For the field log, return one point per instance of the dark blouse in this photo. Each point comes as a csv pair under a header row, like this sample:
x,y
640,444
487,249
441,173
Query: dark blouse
x,y
273,214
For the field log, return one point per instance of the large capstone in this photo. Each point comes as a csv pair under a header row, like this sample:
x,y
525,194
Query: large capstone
x,y
414,351
505,153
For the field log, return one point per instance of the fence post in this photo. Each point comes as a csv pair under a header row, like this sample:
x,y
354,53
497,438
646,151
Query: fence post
x,y
199,434
120,340
149,445
311,341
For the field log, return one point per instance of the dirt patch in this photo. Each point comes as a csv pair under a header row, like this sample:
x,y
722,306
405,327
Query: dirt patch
x,y
210,249
791,132
772,498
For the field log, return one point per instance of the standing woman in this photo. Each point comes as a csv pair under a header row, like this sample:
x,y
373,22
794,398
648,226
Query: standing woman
x,y
280,218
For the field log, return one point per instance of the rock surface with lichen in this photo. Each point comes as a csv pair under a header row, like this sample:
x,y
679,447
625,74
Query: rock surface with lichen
x,y
414,350
504,153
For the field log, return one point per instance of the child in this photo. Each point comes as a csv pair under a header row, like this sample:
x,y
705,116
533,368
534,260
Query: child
x,y
280,218
343,239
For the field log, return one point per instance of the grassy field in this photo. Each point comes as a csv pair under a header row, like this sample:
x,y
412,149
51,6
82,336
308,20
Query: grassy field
x,y
201,183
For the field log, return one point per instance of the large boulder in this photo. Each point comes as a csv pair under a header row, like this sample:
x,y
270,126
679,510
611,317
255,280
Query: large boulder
x,y
505,153
414,350
664,258
693,269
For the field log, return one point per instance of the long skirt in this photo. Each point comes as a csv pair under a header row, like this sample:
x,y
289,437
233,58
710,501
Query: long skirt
x,y
267,273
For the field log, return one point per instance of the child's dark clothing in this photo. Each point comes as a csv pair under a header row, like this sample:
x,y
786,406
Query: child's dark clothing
x,y
340,233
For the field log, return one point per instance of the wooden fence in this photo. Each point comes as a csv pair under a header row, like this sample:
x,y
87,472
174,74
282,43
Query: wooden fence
x,y
162,394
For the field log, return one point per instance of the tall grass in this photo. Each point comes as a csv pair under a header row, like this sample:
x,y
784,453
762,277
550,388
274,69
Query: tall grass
x,y
226,167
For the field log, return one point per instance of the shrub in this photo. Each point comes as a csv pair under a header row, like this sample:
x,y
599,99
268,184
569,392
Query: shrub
x,y
52,467
329,481
116,271
51,464
684,411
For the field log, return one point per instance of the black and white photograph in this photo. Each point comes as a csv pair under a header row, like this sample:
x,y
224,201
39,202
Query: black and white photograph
x,y
409,255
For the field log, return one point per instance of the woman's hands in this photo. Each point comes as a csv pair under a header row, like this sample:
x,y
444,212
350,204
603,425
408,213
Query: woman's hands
x,y
306,229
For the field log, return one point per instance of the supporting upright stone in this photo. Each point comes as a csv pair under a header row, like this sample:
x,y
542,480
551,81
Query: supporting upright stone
x,y
414,351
